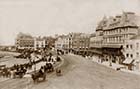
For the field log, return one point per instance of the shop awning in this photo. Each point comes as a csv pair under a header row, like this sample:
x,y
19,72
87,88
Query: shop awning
x,y
128,61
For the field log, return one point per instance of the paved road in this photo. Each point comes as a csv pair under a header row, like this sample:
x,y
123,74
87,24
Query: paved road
x,y
79,73
84,74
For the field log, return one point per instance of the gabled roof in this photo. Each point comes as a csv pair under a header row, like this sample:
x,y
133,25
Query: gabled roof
x,y
124,20
102,23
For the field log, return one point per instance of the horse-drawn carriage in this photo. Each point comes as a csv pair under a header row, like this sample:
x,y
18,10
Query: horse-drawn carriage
x,y
37,75
41,74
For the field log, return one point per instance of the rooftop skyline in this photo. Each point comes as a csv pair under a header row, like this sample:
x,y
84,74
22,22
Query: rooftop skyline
x,y
50,17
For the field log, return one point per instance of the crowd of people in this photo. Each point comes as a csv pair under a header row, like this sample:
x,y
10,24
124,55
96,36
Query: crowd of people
x,y
19,70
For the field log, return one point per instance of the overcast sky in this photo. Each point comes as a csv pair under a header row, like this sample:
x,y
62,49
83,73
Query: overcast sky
x,y
49,17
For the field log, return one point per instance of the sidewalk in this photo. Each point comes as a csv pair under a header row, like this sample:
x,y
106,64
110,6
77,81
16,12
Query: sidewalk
x,y
115,66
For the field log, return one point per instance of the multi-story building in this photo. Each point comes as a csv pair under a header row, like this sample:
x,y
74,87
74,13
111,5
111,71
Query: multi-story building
x,y
51,41
96,40
74,42
24,41
70,36
79,43
117,30
62,43
39,43
84,41
132,53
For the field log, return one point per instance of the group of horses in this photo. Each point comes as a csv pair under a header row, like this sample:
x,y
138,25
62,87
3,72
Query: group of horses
x,y
15,71
41,73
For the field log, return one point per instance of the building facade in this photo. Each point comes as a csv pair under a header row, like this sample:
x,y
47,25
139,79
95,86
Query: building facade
x,y
96,41
115,31
73,42
62,43
132,53
24,41
39,43
84,42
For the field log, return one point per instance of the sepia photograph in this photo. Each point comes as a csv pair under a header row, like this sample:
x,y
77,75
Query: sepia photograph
x,y
69,44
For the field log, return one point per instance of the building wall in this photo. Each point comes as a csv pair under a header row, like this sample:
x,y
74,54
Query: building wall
x,y
132,51
119,35
39,43
120,28
24,41
96,42
80,42
84,42
62,43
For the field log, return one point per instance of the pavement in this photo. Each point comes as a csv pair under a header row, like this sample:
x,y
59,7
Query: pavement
x,y
79,73
115,66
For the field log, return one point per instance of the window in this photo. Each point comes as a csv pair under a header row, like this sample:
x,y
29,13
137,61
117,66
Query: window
x,y
127,55
127,46
131,55
131,46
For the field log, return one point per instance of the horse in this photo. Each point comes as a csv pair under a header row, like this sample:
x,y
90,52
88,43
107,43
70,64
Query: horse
x,y
58,59
49,67
19,73
39,74
6,72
